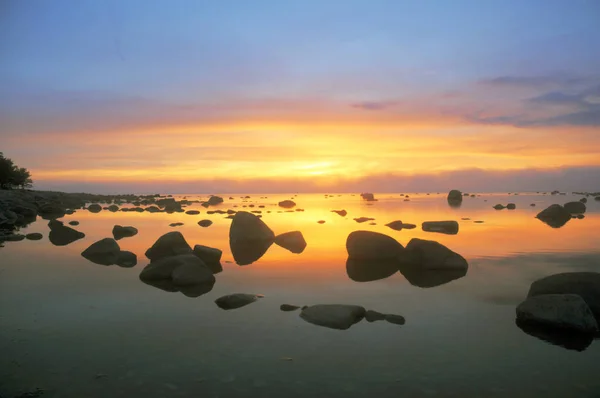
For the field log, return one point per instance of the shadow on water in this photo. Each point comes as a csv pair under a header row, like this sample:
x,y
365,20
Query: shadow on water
x,y
189,291
361,270
245,252
569,340
418,276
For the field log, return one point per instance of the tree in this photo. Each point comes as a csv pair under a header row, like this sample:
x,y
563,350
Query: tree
x,y
12,176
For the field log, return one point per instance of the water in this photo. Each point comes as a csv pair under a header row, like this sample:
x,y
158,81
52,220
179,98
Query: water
x,y
78,329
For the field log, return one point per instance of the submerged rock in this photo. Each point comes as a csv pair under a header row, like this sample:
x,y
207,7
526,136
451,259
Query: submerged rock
x,y
214,200
105,252
287,204
192,212
575,207
185,273
113,208
511,206
334,316
176,224
372,245
566,311
499,207
237,300
569,339
321,222
74,223
120,232
292,241
555,216
395,319
170,244
444,227
395,225
368,197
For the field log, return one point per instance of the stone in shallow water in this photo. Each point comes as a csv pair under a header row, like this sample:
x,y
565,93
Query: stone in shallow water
x,y
104,252
185,273
192,212
395,319
249,238
342,213
205,223
511,206
372,316
61,235
499,207
433,255
363,219
372,245
292,241
170,244
287,204
321,222
288,307
120,232
73,222
555,216
34,236
395,225
236,300
444,227
568,339
176,224
210,256
567,311
126,259
94,208
575,207
333,316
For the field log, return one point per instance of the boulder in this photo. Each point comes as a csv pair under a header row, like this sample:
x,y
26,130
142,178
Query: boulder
x,y
575,207
292,241
192,212
170,244
566,338
554,215
288,307
248,227
372,245
205,223
565,311
455,198
511,206
73,222
61,235
369,197
443,227
432,255
120,232
363,219
94,208
287,204
237,300
126,259
584,284
334,316
342,213
113,208
34,236
193,271
499,207
105,252
210,256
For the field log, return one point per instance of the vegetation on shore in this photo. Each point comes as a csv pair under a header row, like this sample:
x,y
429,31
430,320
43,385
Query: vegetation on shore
x,y
13,176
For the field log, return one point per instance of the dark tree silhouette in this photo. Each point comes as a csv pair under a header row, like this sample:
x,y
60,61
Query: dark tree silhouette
x,y
12,176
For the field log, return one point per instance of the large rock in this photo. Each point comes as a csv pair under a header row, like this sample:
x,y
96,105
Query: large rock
x,y
120,232
554,215
369,197
443,227
455,198
236,300
113,208
95,208
575,207
292,241
249,238
569,339
170,244
334,316
210,256
61,235
105,252
214,200
432,255
183,273
584,284
126,259
372,245
565,311
287,204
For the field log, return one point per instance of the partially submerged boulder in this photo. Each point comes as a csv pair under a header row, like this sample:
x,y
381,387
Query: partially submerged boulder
x,y
126,259
61,235
105,252
34,236
120,232
236,300
444,227
363,219
292,241
287,204
184,272
94,208
288,307
372,245
249,238
455,198
565,311
210,256
369,197
575,207
554,215
205,223
333,316
170,244
433,255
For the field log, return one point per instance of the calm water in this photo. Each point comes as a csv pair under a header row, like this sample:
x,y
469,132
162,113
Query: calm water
x,y
78,329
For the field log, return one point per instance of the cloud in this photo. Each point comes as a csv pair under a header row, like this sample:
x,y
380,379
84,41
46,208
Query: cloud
x,y
374,105
535,81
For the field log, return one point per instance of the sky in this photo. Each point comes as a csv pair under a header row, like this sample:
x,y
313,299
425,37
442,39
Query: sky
x,y
302,96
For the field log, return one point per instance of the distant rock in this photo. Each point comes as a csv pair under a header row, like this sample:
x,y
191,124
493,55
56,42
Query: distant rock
x,y
170,244
237,300
61,235
214,200
580,216
369,197
288,307
120,232
363,219
292,241
192,212
455,198
13,237
34,236
126,259
499,206
372,245
210,256
113,208
395,225
321,222
342,213
287,204
565,311
575,207
584,284
444,227
395,319
176,224
408,226
94,208
334,316
532,205
73,223
152,209
555,216
583,200
105,252
511,206
373,316
205,223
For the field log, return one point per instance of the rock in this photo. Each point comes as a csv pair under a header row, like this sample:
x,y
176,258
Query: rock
x,y
151,209
569,339
176,224
205,223
191,273
532,205
120,232
372,245
342,213
237,300
334,316
50,211
583,200
321,222
444,227
395,319
432,255
210,256
34,236
584,284
580,216
367,270
565,311
13,238
113,208
105,252
287,204
499,207
363,219
511,206
395,225
455,198
170,244
61,235
408,226
575,207
288,307
555,216
94,208
597,198
192,212
126,259
373,316
73,222
369,197
292,241
185,273
249,238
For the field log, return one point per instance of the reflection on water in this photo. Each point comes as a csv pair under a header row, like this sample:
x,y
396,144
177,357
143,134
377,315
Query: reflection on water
x,y
65,320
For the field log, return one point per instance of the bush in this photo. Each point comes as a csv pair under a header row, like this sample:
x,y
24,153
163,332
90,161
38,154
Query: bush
x,y
12,176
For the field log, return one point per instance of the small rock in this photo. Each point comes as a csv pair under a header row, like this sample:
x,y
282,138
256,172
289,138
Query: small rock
x,y
444,227
288,307
120,232
575,207
292,241
395,319
176,224
342,213
321,222
372,316
363,219
334,316
237,300
34,236
192,212
287,204
73,223
205,223
104,252
511,206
